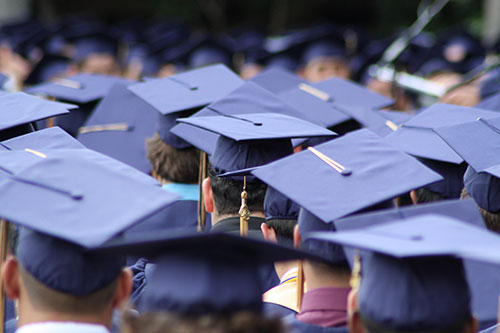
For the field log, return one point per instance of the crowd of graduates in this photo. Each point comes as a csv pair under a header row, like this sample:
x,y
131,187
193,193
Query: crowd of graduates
x,y
154,178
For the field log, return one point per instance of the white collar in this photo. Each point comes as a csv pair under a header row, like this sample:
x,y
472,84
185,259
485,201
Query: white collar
x,y
62,327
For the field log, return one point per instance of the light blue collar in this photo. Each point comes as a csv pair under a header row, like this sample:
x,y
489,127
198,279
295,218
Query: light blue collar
x,y
185,191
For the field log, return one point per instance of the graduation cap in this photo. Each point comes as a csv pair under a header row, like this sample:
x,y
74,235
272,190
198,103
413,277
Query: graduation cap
x,y
464,139
251,140
66,214
203,50
198,274
323,48
26,155
279,207
344,93
482,278
418,136
47,138
248,98
425,248
119,126
83,89
49,67
277,80
20,110
95,43
346,175
179,95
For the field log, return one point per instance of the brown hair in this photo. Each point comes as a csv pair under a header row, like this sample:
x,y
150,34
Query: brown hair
x,y
163,322
492,220
172,164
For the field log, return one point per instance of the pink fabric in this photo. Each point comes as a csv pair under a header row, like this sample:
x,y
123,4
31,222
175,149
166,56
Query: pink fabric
x,y
325,307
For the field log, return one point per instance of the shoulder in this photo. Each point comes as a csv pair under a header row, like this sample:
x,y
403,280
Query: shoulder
x,y
276,310
491,329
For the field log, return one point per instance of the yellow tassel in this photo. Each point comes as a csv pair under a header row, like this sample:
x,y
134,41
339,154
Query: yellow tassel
x,y
300,284
244,211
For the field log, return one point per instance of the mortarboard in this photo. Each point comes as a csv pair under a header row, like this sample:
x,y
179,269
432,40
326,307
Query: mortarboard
x,y
119,126
417,136
49,67
248,98
24,156
250,140
66,214
482,278
425,248
197,273
346,175
345,93
481,178
96,43
387,123
20,109
83,89
48,138
323,48
179,95
80,88
492,102
279,207
277,80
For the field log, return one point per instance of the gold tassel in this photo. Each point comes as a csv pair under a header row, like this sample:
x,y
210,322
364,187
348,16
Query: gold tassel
x,y
4,226
300,284
355,280
202,214
244,211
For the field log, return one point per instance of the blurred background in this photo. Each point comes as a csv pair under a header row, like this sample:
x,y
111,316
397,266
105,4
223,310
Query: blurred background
x,y
315,39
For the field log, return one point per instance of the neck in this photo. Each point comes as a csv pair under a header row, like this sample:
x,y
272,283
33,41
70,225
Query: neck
x,y
318,278
282,267
216,217
29,315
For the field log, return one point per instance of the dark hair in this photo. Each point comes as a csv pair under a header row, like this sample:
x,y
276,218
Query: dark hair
x,y
227,194
373,327
425,195
45,298
403,200
492,220
163,322
172,164
283,229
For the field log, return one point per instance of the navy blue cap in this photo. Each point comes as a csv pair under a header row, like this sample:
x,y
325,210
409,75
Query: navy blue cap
x,y
64,266
279,207
250,140
354,172
48,138
389,121
344,93
431,241
323,48
96,43
119,126
49,67
71,208
277,80
418,136
80,88
484,188
452,184
248,98
482,278
188,90
20,108
435,65
199,274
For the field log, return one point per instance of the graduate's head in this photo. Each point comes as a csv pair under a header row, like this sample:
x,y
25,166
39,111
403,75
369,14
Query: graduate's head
x,y
54,276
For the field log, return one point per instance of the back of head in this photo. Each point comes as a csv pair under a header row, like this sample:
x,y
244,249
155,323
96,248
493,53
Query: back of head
x,y
62,276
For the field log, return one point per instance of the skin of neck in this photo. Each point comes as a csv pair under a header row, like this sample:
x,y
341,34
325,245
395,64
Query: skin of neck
x,y
318,279
216,217
28,314
282,267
